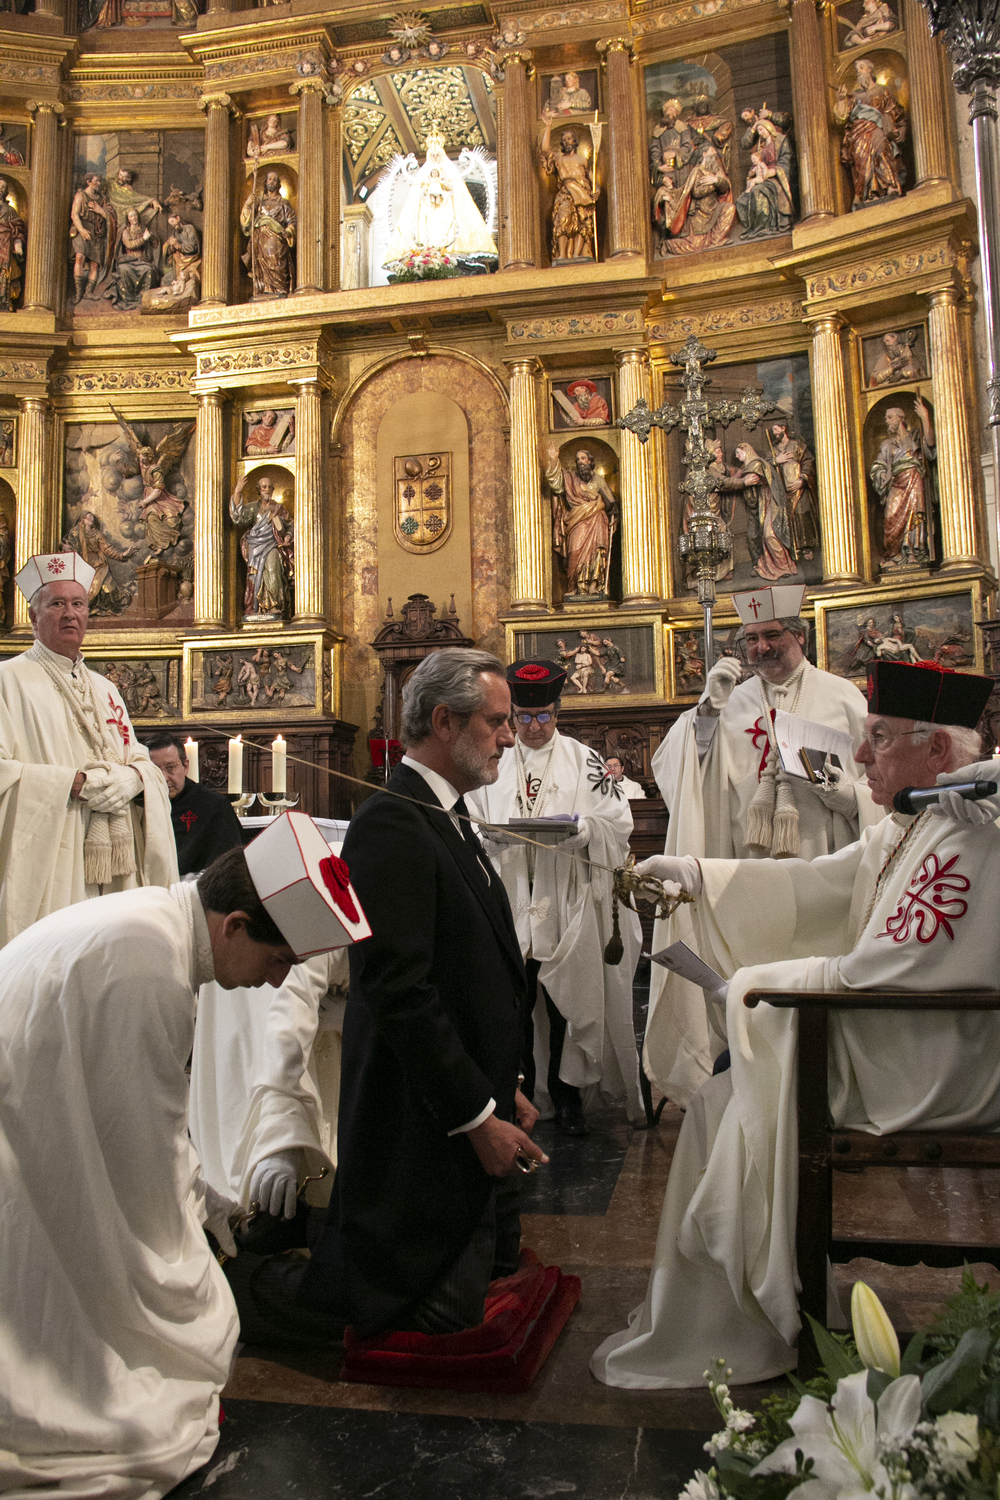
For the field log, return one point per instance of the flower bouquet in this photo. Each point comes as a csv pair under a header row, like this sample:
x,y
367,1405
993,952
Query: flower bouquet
x,y
423,263
875,1424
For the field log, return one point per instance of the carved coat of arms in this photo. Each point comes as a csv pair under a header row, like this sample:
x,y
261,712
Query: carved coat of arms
x,y
423,513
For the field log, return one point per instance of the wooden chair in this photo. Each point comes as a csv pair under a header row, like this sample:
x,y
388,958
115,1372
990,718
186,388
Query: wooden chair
x,y
824,1147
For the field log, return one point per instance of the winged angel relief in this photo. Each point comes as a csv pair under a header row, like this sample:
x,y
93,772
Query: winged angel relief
x,y
160,511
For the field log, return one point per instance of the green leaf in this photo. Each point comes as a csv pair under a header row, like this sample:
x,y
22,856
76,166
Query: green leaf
x,y
912,1354
836,1360
948,1385
878,1381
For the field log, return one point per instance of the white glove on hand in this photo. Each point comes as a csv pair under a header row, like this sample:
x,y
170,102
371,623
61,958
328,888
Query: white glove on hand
x,y
116,793
840,795
680,869
217,1210
275,1183
578,840
718,994
720,682
953,806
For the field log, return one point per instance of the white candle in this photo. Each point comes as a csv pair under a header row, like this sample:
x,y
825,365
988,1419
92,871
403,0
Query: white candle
x,y
191,756
279,766
236,764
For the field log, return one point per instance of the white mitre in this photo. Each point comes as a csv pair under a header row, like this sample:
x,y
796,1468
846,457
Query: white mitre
x,y
776,602
53,567
305,887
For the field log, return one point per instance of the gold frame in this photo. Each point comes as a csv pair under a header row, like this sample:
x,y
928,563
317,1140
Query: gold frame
x,y
10,416
570,621
889,594
325,656
674,628
554,378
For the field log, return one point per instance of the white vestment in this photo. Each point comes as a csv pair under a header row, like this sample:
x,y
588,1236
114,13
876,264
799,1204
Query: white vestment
x,y
265,1075
562,912
632,790
117,1326
707,802
724,1277
42,832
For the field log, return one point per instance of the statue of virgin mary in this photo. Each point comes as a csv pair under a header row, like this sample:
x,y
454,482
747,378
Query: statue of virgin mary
x,y
440,212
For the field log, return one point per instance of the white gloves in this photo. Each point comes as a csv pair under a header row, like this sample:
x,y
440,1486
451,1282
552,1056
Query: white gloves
x,y
840,795
720,682
718,994
578,840
110,789
953,806
680,869
275,1183
216,1212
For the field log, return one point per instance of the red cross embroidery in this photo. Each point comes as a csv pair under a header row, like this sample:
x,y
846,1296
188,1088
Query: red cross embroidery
x,y
758,734
187,818
55,566
932,901
117,720
754,604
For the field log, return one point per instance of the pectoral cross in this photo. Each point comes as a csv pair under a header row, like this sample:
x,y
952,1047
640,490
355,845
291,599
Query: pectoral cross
x,y
707,543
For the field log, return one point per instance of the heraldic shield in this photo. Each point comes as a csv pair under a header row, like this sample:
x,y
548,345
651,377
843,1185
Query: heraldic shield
x,y
423,513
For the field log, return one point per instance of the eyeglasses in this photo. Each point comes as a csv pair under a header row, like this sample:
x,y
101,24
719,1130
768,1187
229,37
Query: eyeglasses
x,y
533,718
880,741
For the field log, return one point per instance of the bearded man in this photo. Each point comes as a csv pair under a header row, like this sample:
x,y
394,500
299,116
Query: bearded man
x,y
584,515
911,905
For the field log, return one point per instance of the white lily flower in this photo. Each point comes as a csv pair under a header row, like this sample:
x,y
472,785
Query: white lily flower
x,y
701,1487
960,1431
874,1334
843,1439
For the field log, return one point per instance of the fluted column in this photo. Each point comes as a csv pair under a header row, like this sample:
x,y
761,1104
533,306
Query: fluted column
x,y
34,527
210,507
626,189
640,551
217,233
833,454
310,236
528,591
310,474
517,185
335,154
809,104
962,538
928,102
54,9
41,286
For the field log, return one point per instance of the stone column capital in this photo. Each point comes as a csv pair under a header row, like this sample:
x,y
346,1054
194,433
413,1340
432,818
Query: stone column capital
x,y
635,354
945,295
524,56
827,322
219,101
216,397
313,85
36,404
616,44
41,106
525,364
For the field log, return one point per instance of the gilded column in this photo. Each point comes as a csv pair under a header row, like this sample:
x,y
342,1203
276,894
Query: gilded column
x,y
210,507
833,454
640,552
626,190
962,534
334,153
311,443
41,282
310,237
218,230
35,530
928,103
55,9
517,185
809,104
528,591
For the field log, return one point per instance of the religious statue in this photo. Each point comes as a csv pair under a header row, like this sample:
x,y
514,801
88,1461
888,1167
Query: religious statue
x,y
105,595
585,517
7,431
160,511
874,128
180,288
123,196
874,645
582,404
699,214
896,361
268,220
440,213
723,483
901,475
13,243
797,467
134,269
769,535
93,233
6,555
876,21
574,218
767,204
710,129
280,683
268,433
690,663
669,152
9,154
273,139
566,97
222,678
268,548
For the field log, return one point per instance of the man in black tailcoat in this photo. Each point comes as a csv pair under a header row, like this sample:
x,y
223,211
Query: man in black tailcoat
x,y
204,823
424,1212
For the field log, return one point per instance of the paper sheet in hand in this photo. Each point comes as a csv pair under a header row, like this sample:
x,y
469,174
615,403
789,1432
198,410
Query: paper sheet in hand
x,y
685,962
794,734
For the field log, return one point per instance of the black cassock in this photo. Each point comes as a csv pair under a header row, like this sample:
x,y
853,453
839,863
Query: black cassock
x,y
434,1029
205,826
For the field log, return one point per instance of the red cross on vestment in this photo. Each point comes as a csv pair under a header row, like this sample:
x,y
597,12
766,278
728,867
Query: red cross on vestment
x,y
187,818
118,719
758,734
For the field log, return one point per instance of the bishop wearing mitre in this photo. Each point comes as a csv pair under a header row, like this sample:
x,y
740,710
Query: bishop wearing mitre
x,y
83,811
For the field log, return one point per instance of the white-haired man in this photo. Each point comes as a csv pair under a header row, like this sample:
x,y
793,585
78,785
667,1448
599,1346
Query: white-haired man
x,y
721,777
910,905
83,811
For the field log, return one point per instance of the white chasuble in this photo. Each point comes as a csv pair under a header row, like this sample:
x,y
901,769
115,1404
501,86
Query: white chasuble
x,y
707,802
42,832
561,903
724,1276
117,1325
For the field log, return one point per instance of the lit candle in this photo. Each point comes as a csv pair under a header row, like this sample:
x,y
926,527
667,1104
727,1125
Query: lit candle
x,y
236,764
279,766
191,756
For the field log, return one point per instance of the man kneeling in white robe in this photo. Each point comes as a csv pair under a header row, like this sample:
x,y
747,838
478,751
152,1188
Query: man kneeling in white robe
x,y
911,905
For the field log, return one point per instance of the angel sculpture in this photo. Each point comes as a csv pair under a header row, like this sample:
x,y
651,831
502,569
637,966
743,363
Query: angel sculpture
x,y
160,511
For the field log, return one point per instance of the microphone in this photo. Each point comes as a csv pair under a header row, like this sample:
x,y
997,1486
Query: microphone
x,y
914,799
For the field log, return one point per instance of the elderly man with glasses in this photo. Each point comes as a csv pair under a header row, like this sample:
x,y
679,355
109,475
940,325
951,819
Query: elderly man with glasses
x,y
728,797
911,905
561,900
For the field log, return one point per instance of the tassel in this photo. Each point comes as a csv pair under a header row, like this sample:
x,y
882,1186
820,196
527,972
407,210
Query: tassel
x,y
122,845
615,950
785,838
97,851
760,814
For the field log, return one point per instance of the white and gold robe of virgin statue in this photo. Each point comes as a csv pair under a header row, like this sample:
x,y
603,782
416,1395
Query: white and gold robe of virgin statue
x,y
707,796
724,1275
561,903
42,746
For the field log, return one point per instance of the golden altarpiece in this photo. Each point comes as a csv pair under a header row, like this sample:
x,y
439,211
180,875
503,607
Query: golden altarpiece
x,y
214,383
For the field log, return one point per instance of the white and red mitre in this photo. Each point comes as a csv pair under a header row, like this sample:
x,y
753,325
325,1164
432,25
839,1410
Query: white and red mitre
x,y
775,602
305,887
53,567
